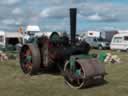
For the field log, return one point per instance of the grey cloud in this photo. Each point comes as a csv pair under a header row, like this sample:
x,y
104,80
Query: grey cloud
x,y
46,13
9,2
17,11
54,28
107,12
102,18
86,10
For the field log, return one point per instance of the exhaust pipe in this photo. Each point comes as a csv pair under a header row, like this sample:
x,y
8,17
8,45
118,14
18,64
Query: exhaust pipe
x,y
73,15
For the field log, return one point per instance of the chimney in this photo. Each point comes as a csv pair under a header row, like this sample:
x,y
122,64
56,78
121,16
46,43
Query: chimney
x,y
73,15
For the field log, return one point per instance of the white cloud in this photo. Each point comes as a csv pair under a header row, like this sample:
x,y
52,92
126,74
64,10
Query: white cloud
x,y
8,21
57,27
104,17
54,12
95,17
11,21
10,2
17,11
45,13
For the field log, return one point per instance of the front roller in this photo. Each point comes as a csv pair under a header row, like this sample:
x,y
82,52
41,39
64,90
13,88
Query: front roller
x,y
83,72
30,59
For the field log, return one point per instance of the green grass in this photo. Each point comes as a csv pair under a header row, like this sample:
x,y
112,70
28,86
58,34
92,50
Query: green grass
x,y
14,83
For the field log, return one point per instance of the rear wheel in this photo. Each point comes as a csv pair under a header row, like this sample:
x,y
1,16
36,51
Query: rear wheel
x,y
30,59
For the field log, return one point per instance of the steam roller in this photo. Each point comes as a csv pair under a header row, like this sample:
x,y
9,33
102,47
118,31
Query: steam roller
x,y
65,54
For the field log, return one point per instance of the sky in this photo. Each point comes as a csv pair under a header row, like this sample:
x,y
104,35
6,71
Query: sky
x,y
53,15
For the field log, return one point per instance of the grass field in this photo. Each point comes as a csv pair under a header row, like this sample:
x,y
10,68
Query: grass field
x,y
14,83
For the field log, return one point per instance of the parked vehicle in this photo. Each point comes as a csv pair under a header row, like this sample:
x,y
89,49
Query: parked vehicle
x,y
99,43
107,35
93,34
9,40
119,42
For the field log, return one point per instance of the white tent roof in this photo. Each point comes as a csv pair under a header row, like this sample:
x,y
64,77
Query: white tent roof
x,y
2,33
13,35
120,34
32,28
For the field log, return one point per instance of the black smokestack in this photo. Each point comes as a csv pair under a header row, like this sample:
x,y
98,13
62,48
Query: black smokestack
x,y
73,16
